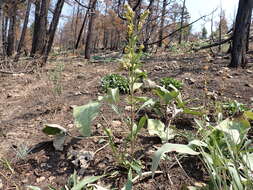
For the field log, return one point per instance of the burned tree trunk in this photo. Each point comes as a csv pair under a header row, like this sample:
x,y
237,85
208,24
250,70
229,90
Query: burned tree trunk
x,y
36,28
248,33
23,33
82,28
162,24
40,27
238,52
89,38
181,23
12,32
52,29
43,26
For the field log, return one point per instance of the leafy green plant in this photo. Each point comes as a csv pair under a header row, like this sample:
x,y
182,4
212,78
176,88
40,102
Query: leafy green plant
x,y
84,115
56,77
227,153
115,81
167,81
225,149
233,107
73,183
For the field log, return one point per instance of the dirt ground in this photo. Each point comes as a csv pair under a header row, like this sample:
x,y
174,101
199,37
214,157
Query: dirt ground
x,y
28,101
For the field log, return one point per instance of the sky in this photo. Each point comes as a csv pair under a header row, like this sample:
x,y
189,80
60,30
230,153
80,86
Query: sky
x,y
197,8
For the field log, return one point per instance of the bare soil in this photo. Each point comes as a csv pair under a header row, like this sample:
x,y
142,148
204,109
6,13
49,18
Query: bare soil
x,y
28,101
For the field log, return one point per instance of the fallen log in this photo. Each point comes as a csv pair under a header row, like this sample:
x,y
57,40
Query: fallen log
x,y
214,44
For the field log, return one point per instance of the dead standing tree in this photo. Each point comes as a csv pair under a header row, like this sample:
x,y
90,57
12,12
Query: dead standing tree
x,y
52,29
238,52
89,39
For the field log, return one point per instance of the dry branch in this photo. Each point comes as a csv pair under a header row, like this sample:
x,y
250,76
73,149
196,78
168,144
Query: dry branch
x,y
214,44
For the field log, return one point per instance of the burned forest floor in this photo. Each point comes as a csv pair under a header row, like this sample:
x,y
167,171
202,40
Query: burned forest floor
x,y
28,101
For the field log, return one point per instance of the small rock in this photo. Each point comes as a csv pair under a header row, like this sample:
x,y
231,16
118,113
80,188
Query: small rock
x,y
249,85
229,76
116,123
99,125
9,95
249,71
40,179
158,68
72,106
80,77
190,81
128,108
70,125
25,181
212,95
51,178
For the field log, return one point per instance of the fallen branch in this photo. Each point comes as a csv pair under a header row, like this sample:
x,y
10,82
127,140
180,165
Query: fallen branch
x,y
214,44
185,26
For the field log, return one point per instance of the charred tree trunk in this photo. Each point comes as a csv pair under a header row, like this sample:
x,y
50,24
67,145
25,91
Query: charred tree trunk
x,y
52,29
181,23
162,23
36,28
43,26
4,34
23,33
238,53
220,29
89,39
12,32
248,32
1,30
82,28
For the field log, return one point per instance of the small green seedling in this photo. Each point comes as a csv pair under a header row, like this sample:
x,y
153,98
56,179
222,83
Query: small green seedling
x,y
115,81
167,81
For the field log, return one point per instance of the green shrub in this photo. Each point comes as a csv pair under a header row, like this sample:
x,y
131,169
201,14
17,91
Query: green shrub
x,y
167,81
233,107
115,81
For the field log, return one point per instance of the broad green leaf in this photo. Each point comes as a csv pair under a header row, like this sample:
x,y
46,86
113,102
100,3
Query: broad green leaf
x,y
84,115
156,127
169,147
113,95
137,128
192,112
197,143
248,159
249,115
236,178
33,187
165,95
129,184
85,182
235,128
149,102
137,85
53,129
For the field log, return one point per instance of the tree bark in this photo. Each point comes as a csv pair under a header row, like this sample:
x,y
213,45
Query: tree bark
x,y
36,28
181,23
162,23
23,33
52,29
82,28
89,39
248,32
238,52
43,26
12,31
